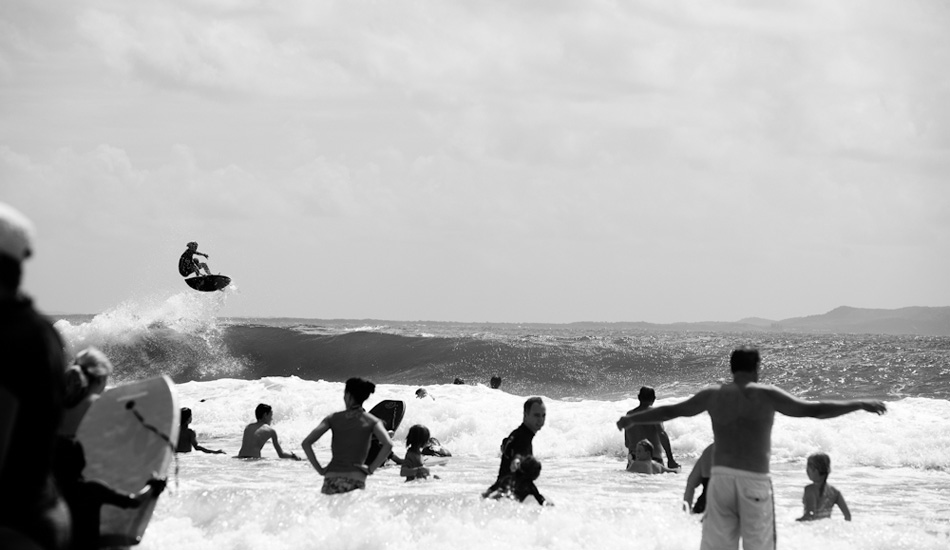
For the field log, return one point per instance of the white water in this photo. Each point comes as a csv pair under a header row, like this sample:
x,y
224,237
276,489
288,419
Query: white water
x,y
893,470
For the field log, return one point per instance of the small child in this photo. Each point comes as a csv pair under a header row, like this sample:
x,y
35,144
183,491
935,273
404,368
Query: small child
x,y
520,483
641,460
187,438
820,497
412,466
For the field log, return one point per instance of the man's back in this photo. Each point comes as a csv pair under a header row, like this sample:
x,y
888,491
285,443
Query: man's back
x,y
742,415
256,435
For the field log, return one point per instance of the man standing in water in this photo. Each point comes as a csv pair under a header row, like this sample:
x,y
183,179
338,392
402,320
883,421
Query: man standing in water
x,y
256,434
654,433
742,412
519,442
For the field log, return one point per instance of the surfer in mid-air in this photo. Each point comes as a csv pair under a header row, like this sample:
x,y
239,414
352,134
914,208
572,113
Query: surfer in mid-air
x,y
188,264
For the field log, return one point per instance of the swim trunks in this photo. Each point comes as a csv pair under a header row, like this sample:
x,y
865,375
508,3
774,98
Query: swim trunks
x,y
739,504
339,485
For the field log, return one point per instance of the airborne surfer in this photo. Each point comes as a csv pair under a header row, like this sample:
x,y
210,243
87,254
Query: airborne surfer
x,y
188,264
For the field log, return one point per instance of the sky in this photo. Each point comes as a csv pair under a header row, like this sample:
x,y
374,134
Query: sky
x,y
493,161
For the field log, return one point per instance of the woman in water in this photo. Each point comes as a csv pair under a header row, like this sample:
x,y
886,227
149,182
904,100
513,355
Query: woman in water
x,y
352,429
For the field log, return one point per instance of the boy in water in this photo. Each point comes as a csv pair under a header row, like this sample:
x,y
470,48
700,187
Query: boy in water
x,y
520,483
188,264
256,434
641,460
187,439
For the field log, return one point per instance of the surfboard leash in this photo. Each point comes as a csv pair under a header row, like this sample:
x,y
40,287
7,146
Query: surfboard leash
x,y
131,407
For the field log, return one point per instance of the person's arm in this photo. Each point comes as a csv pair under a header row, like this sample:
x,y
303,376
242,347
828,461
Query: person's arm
x,y
9,405
790,405
194,443
280,452
387,447
693,481
312,437
843,506
691,407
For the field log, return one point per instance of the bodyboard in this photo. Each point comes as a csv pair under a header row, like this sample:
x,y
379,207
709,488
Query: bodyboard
x,y
127,437
390,412
208,283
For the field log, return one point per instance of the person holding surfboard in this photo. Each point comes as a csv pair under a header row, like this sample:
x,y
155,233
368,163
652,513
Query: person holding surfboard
x,y
31,402
352,428
256,434
188,264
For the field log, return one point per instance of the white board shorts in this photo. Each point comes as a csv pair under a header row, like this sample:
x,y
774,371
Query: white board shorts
x,y
739,505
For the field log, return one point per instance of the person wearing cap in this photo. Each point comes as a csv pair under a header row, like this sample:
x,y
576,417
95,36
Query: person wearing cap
x,y
188,264
31,402
85,380
654,433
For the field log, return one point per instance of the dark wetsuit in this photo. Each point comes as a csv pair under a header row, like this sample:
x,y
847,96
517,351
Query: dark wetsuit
x,y
186,264
32,371
517,487
519,442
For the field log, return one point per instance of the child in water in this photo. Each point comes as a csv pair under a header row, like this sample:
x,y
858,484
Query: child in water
x,y
187,439
412,466
820,497
641,460
520,483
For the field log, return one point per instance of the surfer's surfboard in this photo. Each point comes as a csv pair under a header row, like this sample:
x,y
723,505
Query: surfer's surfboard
x,y
123,452
208,283
390,412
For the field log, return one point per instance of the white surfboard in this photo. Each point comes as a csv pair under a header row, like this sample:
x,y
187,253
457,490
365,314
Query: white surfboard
x,y
127,436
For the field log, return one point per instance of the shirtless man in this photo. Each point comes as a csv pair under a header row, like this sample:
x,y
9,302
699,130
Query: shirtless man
x,y
188,264
742,412
257,433
654,433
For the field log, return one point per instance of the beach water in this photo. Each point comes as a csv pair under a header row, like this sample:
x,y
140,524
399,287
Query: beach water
x,y
894,469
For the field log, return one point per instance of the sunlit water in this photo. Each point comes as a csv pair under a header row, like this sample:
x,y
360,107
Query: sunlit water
x,y
891,469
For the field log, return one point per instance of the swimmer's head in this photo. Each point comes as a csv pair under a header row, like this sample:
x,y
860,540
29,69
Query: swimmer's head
x,y
192,245
530,468
418,436
185,417
262,410
744,359
359,389
821,463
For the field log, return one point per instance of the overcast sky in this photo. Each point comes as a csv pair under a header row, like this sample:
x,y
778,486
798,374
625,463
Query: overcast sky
x,y
511,160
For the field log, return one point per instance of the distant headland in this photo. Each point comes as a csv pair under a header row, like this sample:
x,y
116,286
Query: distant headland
x,y
918,321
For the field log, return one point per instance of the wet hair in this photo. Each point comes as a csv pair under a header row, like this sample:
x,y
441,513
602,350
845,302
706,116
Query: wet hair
x,y
458,381
418,436
744,359
645,443
185,416
821,462
531,401
495,382
421,392
262,410
647,394
530,468
359,389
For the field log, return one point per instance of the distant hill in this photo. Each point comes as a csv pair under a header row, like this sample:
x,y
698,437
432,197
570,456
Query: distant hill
x,y
919,321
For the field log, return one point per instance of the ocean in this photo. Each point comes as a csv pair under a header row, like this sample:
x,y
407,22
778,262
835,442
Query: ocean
x,y
894,470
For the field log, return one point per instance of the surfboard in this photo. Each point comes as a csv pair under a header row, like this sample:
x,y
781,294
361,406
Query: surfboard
x,y
208,283
390,411
127,437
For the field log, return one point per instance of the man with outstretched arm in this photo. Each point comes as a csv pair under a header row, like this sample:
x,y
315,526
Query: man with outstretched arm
x,y
742,412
